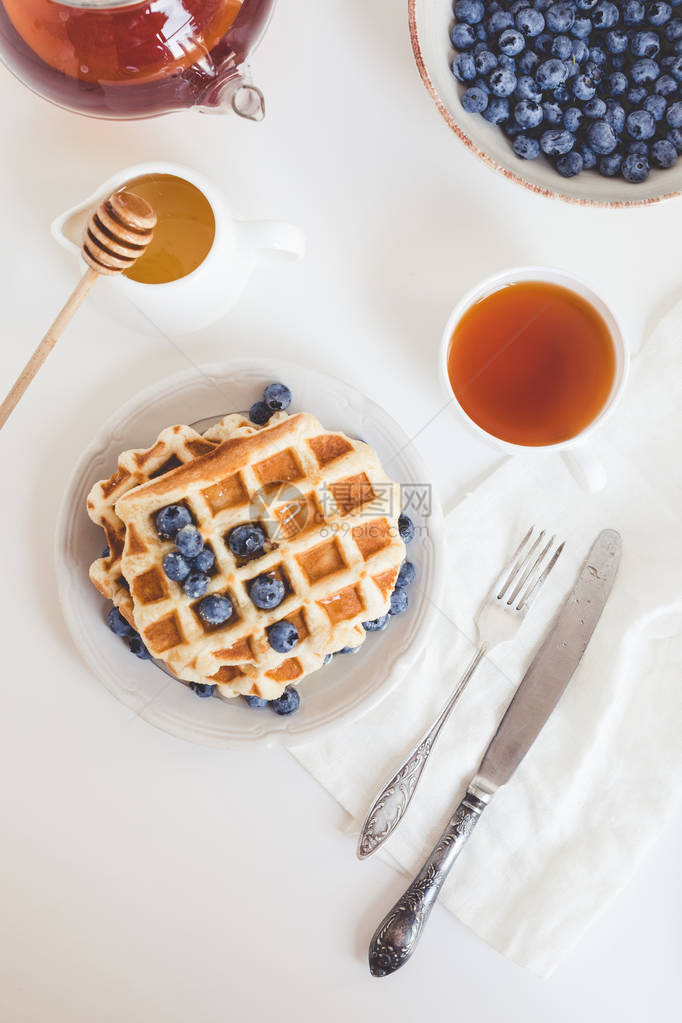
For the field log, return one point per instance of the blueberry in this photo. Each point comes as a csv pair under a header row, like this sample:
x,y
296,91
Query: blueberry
x,y
530,22
510,42
556,143
585,5
674,115
675,137
562,47
189,541
637,94
658,12
663,154
348,650
528,62
560,17
528,114
502,82
406,525
619,62
638,149
463,67
675,69
474,100
407,574
640,124
543,44
255,702
170,519
138,648
205,560
462,37
484,62
579,51
287,703
582,28
645,44
195,585
617,40
259,413
617,84
498,21
589,156
202,689
610,165
216,609
552,112
117,623
633,12
527,89
246,541
481,33
497,111
175,566
573,118
673,30
601,137
595,107
266,591
644,70
278,396
327,659
283,636
561,95
551,74
570,164
376,625
399,601
605,15
509,63
656,106
526,147
106,553
615,116
583,88
518,5
469,11
635,169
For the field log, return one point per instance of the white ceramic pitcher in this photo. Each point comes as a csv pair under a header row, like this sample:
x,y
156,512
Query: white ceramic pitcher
x,y
205,295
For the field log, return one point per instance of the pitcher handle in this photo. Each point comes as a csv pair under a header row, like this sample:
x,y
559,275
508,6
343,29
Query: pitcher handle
x,y
274,234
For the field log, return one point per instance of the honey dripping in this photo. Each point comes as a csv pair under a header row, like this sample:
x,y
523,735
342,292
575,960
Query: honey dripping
x,y
532,363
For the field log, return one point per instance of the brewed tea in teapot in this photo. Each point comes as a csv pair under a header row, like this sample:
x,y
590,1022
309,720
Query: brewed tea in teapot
x,y
135,58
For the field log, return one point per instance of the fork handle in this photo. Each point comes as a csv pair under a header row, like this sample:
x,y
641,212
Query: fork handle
x,y
396,937
390,806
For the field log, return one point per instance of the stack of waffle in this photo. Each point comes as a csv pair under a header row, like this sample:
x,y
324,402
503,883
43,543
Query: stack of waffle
x,y
330,516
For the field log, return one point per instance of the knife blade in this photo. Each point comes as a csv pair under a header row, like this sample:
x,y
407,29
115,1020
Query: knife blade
x,y
552,668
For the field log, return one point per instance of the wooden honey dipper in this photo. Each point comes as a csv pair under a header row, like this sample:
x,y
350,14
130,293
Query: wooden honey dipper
x,y
117,234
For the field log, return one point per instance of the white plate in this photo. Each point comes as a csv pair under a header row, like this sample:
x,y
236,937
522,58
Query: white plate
x,y
430,22
351,684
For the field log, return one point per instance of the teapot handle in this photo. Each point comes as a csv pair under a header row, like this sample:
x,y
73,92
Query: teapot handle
x,y
274,234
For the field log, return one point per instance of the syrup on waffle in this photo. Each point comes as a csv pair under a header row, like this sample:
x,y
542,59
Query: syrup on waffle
x,y
330,515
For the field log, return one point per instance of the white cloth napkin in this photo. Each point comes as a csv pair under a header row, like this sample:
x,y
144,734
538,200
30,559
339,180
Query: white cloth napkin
x,y
567,832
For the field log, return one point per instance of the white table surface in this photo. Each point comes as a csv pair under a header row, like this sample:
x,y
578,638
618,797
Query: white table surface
x,y
147,879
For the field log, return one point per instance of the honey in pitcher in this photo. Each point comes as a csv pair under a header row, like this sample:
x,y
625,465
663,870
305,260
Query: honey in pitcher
x,y
532,363
184,231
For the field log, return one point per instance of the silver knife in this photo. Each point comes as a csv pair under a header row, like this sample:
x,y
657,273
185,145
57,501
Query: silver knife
x,y
396,937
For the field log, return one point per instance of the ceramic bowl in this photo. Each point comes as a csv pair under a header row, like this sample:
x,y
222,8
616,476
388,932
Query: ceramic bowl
x,y
430,22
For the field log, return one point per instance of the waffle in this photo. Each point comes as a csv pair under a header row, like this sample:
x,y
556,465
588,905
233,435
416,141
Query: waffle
x,y
330,515
174,446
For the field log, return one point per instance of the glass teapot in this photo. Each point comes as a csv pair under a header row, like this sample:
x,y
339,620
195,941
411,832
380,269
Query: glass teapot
x,y
136,58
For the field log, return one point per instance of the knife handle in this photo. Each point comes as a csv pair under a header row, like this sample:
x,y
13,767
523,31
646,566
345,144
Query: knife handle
x,y
396,937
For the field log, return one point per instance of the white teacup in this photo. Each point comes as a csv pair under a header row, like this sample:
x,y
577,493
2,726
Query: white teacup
x,y
576,452
204,295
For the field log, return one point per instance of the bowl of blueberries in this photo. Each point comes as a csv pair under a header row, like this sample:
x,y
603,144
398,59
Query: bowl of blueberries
x,y
575,99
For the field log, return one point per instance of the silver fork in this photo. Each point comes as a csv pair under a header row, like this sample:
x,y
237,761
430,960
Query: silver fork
x,y
497,622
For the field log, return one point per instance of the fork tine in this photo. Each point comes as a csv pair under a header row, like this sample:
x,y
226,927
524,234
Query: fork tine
x,y
533,587
520,564
523,579
512,562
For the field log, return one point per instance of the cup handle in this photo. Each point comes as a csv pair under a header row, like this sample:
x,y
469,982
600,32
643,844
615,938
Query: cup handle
x,y
274,234
585,468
